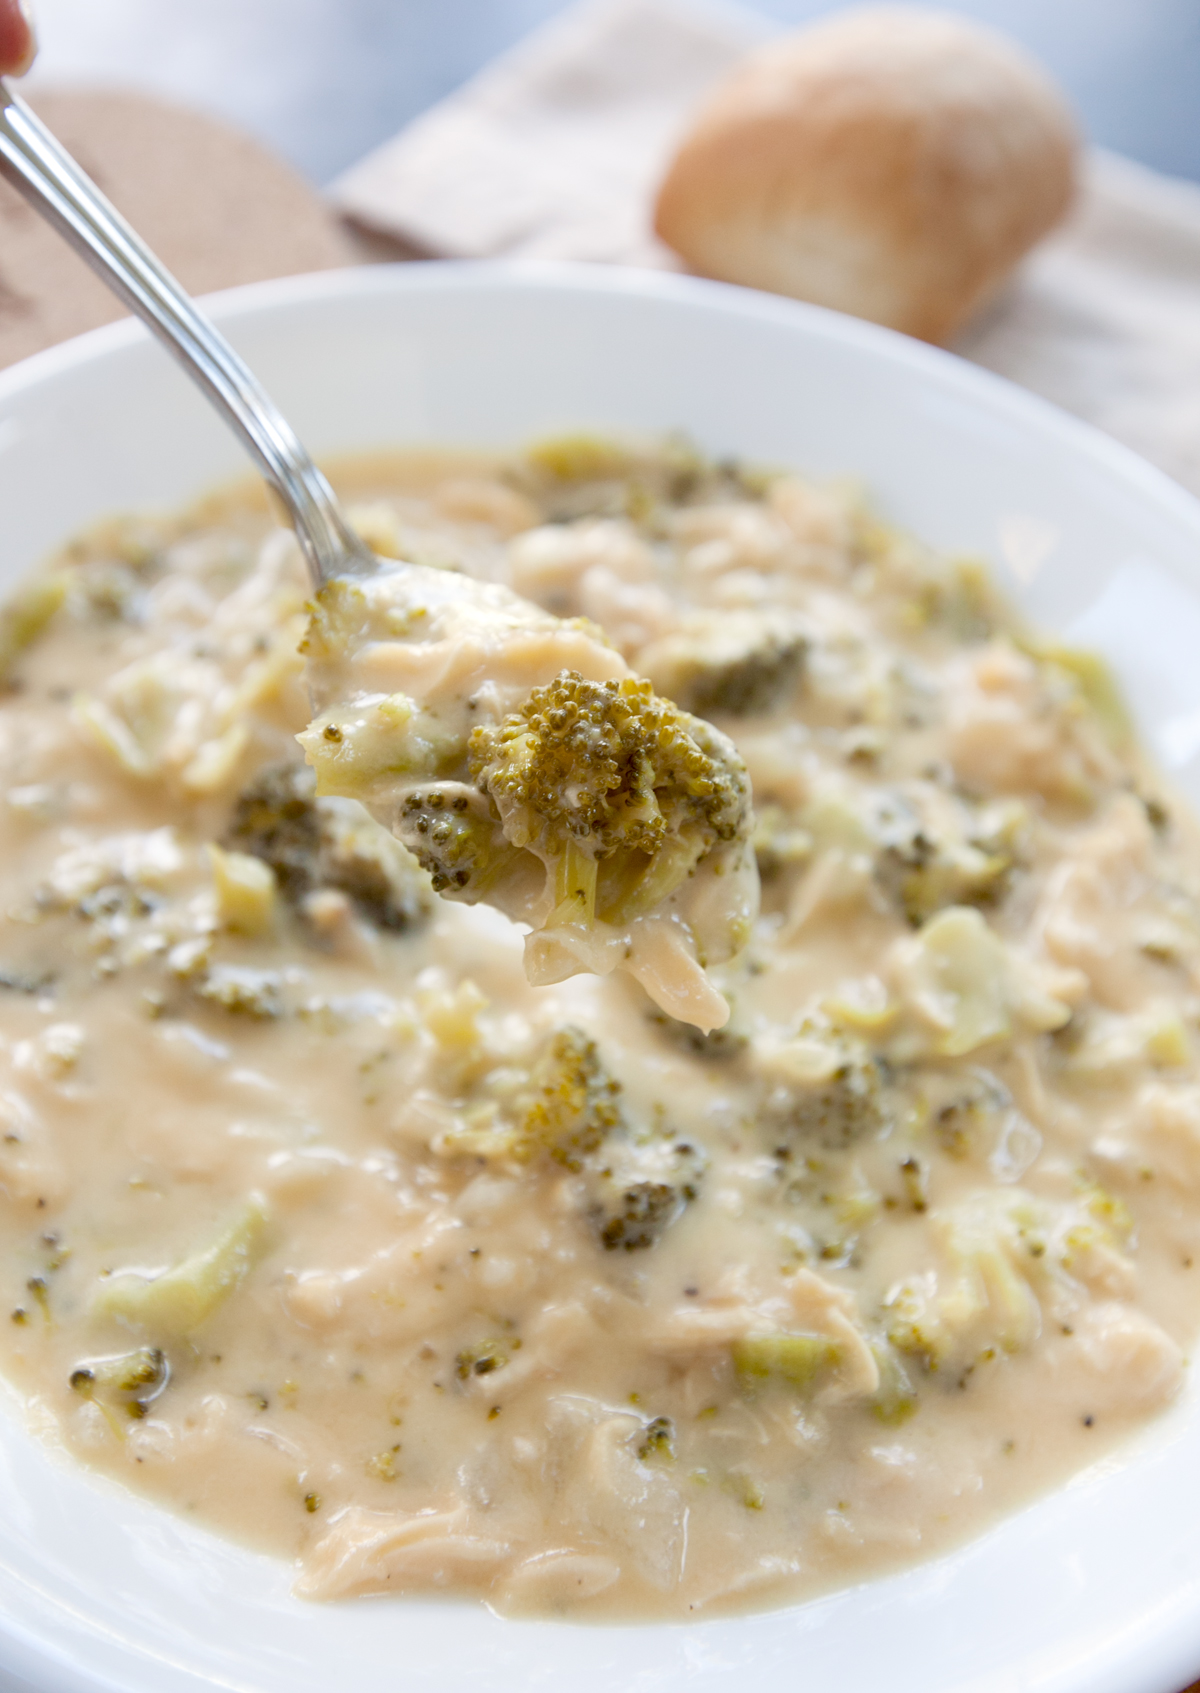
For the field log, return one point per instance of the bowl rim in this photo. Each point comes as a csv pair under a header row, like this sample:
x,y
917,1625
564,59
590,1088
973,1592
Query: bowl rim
x,y
952,370
1177,1652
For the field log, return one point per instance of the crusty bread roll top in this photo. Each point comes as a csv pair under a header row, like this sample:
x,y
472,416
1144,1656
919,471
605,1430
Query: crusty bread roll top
x,y
893,163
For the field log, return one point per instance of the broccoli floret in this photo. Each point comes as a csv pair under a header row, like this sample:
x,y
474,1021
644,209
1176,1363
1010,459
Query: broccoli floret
x,y
603,799
637,1189
482,1360
963,601
749,683
128,1384
924,871
573,476
643,1212
657,1440
243,991
836,1112
574,1104
779,842
924,879
360,859
914,1325
452,835
313,843
632,1188
967,1118
276,819
617,791
740,665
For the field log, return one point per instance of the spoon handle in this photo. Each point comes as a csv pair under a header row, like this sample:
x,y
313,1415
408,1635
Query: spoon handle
x,y
45,173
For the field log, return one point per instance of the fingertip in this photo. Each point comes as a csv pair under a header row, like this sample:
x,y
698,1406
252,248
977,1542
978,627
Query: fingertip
x,y
31,38
18,37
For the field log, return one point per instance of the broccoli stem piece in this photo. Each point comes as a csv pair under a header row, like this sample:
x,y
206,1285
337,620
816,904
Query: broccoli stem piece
x,y
26,615
173,1304
575,881
797,1359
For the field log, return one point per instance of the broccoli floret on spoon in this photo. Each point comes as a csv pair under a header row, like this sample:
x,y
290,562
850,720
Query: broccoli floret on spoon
x,y
617,791
454,839
522,764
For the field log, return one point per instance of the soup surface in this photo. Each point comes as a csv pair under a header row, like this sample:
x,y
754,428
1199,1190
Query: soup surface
x,y
321,1224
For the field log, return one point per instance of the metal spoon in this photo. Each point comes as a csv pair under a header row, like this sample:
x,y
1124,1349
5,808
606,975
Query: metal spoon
x,y
45,173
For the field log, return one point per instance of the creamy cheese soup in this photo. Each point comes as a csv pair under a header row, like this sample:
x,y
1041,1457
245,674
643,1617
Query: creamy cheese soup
x,y
523,764
322,1224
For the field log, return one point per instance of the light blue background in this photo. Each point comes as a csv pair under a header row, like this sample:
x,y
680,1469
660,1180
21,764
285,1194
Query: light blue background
x,y
325,80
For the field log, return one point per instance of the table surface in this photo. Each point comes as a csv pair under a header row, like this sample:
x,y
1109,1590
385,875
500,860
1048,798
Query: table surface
x,y
323,81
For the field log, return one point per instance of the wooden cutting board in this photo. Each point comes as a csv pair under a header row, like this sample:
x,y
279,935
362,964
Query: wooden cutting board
x,y
217,207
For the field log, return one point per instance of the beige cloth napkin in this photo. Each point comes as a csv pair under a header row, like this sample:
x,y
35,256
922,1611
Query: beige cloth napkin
x,y
554,151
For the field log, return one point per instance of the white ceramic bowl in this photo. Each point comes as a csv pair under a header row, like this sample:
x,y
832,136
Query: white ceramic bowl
x,y
1095,1588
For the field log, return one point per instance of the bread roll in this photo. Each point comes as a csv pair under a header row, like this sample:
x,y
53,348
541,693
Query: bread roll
x,y
892,162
